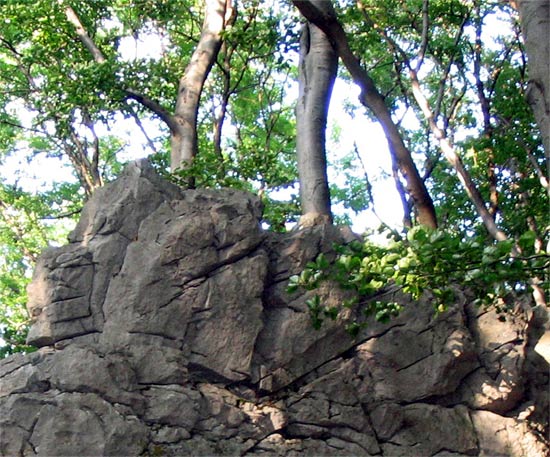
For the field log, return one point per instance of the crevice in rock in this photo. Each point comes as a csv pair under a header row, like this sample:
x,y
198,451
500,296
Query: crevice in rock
x,y
67,298
350,353
61,343
201,373
76,334
415,362
212,270
162,336
73,319
6,372
319,392
303,379
381,333
314,430
29,436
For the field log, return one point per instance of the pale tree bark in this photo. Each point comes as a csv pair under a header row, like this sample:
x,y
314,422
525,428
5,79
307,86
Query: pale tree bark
x,y
184,139
464,176
322,14
445,144
73,18
456,162
317,71
535,24
183,122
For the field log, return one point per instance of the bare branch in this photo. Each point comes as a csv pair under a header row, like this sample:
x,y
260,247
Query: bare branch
x,y
63,215
73,18
448,68
22,127
137,120
425,30
153,106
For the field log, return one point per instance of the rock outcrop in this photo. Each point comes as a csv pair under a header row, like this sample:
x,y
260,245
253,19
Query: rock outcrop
x,y
165,328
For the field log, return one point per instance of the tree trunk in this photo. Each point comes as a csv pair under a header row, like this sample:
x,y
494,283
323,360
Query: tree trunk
x,y
183,123
184,138
317,72
322,14
535,24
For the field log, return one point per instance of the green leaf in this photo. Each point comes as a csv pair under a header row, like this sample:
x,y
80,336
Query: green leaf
x,y
353,329
331,312
527,241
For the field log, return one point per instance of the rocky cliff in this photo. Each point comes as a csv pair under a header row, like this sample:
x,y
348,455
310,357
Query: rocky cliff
x,y
165,328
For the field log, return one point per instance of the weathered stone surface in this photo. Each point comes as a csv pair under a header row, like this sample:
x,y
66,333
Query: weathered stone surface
x,y
504,436
422,429
165,328
444,353
497,385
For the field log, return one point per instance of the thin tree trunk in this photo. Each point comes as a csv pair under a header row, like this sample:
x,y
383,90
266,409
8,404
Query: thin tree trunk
x,y
322,14
317,72
219,118
446,146
485,104
73,18
535,24
456,162
183,123
184,138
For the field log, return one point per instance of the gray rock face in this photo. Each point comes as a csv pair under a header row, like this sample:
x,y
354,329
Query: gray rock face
x,y
165,328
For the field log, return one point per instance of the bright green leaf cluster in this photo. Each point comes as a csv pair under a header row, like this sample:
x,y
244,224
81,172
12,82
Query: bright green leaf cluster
x,y
426,261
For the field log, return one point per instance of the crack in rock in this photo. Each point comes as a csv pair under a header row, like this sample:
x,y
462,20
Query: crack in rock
x,y
165,329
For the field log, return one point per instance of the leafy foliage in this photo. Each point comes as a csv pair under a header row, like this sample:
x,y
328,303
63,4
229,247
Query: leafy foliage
x,y
432,261
24,233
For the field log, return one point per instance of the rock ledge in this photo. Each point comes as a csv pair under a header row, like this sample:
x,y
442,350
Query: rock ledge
x,y
165,328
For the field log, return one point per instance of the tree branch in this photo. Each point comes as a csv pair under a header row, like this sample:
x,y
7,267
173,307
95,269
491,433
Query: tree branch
x,y
154,106
141,128
22,127
446,147
87,121
98,56
322,14
425,30
73,18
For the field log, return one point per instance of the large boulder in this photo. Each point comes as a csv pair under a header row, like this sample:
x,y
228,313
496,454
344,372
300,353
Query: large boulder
x,y
164,328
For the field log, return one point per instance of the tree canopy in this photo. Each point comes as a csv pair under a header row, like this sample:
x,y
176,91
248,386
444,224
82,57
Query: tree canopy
x,y
209,89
